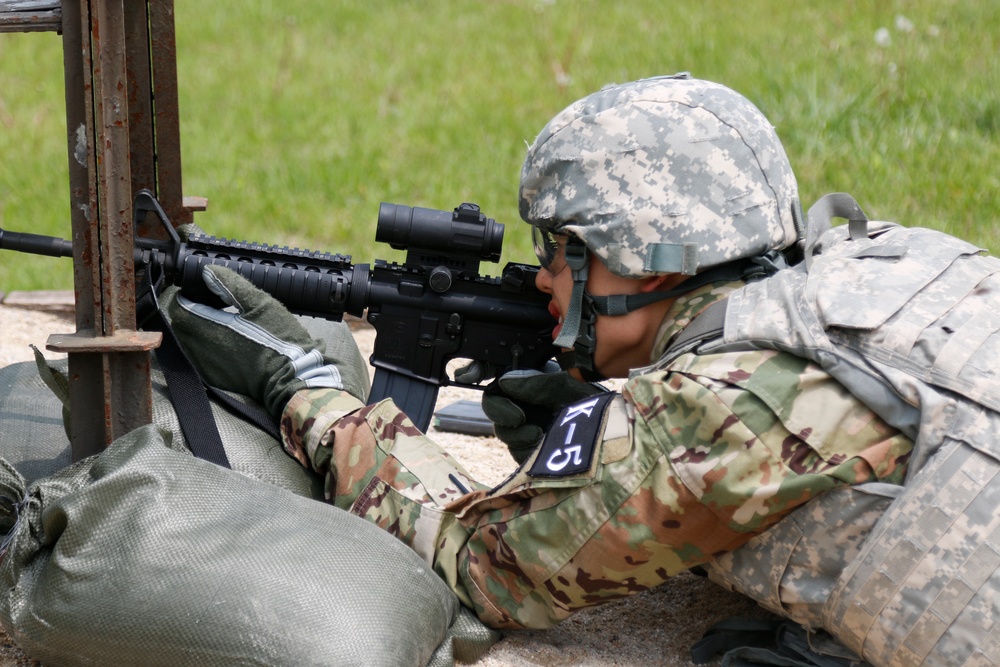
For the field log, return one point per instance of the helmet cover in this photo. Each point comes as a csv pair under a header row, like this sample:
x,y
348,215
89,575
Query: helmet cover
x,y
662,175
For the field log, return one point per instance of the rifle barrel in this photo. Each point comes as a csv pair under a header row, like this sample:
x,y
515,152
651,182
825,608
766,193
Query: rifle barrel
x,y
35,244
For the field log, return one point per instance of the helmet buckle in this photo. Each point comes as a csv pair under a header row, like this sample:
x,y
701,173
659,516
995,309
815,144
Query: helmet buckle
x,y
576,254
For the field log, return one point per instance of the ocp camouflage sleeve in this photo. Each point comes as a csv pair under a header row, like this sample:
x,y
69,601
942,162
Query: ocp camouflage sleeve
x,y
693,461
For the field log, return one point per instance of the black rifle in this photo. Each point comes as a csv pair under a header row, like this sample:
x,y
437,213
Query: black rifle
x,y
433,308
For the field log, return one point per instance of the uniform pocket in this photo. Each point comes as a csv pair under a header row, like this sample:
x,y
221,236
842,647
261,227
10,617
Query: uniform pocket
x,y
532,524
863,283
792,568
933,311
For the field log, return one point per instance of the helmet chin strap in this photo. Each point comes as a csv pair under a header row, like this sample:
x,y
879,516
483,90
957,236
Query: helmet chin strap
x,y
578,260
581,356
579,330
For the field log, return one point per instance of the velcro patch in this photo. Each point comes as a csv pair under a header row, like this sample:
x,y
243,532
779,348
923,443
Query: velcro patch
x,y
569,445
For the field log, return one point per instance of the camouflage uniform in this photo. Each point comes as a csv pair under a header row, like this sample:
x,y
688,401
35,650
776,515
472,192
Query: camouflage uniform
x,y
781,471
696,459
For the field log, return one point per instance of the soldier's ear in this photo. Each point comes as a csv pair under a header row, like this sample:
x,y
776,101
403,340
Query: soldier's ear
x,y
661,283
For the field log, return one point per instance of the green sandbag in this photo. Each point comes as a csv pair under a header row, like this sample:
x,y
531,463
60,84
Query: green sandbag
x,y
32,435
26,416
146,555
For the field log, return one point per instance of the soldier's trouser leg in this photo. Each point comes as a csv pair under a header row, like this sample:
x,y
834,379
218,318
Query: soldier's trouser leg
x,y
531,551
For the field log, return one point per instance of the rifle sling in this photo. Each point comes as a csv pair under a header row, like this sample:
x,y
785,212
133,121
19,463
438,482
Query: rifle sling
x,y
188,392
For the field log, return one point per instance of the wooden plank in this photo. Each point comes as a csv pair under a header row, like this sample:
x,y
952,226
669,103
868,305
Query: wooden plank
x,y
196,203
62,300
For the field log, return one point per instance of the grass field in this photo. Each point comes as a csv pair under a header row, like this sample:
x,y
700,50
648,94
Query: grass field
x,y
299,116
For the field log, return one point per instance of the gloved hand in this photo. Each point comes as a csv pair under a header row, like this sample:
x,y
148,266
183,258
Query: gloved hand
x,y
261,351
522,404
475,372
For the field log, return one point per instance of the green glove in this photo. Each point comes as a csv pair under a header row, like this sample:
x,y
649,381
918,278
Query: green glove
x,y
262,350
522,404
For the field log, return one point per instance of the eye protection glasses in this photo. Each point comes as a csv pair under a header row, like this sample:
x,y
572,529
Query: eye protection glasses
x,y
551,249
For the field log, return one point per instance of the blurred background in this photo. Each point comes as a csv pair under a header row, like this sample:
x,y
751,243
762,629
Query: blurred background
x,y
299,116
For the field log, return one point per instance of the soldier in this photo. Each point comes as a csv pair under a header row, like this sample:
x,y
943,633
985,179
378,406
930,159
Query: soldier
x,y
649,202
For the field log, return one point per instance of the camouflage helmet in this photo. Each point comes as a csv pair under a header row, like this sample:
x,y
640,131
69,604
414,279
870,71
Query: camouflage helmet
x,y
662,175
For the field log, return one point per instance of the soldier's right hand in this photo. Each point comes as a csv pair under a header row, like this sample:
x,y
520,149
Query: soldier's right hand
x,y
522,404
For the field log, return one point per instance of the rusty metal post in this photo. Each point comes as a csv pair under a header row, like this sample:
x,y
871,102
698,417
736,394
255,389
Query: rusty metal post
x,y
123,134
163,52
154,121
142,135
109,361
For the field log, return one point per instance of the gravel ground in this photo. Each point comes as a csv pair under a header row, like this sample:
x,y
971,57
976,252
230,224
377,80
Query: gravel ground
x,y
654,628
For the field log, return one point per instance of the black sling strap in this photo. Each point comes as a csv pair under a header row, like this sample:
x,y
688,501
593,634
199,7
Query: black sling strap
x,y
188,392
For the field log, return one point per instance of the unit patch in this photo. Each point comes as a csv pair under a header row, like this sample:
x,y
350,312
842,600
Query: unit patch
x,y
571,440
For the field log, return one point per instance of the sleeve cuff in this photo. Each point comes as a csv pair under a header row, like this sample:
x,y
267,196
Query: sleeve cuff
x,y
308,420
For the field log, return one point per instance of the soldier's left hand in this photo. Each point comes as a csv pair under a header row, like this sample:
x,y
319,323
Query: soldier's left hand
x,y
261,350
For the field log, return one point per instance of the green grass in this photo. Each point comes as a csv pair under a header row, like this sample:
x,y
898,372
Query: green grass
x,y
299,116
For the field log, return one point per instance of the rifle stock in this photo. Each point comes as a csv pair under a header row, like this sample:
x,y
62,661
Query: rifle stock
x,y
433,308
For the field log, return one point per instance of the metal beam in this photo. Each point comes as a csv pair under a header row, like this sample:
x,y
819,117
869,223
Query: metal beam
x,y
109,362
29,16
123,135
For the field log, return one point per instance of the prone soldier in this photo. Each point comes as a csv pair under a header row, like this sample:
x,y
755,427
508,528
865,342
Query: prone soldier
x,y
760,460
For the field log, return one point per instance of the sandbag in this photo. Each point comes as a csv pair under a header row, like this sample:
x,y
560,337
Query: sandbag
x,y
32,436
250,450
110,622
34,403
146,555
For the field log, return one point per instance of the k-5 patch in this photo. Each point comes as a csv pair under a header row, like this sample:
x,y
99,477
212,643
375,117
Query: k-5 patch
x,y
569,445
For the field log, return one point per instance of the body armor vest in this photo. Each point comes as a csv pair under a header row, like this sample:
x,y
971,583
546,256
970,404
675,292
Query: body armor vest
x,y
908,320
